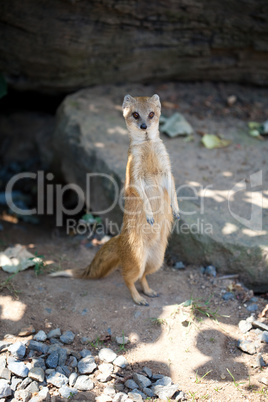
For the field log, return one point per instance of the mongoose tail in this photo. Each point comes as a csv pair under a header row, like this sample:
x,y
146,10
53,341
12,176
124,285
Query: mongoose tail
x,y
105,261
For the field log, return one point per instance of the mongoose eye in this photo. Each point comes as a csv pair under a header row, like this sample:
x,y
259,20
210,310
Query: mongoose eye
x,y
151,115
136,115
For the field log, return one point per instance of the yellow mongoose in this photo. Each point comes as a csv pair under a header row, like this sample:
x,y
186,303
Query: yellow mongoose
x,y
150,203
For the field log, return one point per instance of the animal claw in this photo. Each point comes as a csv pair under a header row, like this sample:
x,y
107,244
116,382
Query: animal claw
x,y
150,221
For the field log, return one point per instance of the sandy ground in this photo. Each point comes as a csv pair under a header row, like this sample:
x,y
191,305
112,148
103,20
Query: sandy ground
x,y
197,351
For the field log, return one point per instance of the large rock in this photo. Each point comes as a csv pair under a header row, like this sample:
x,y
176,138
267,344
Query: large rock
x,y
63,46
219,191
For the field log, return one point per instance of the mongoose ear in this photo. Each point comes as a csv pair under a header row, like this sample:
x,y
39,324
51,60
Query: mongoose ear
x,y
127,101
155,98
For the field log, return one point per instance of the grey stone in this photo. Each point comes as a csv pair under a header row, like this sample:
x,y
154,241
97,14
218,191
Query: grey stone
x,y
85,353
54,333
38,362
67,370
229,248
141,380
84,383
252,307
5,389
41,336
37,373
54,348
4,345
18,368
264,337
179,265
23,395
260,325
244,326
136,395
106,368
17,350
131,384
33,387
228,296
57,379
5,374
44,394
176,125
56,341
38,346
67,392
148,392
15,382
120,397
247,346
156,377
107,355
86,365
109,390
72,379
164,381
24,383
72,361
59,369
147,371
165,392
62,356
104,377
263,380
3,361
120,361
122,340
85,340
52,360
67,337
50,371
259,361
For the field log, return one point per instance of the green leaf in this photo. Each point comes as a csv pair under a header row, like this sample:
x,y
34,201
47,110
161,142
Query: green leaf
x,y
211,141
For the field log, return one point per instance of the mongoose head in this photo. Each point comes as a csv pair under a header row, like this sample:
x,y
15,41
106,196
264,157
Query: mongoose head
x,y
142,117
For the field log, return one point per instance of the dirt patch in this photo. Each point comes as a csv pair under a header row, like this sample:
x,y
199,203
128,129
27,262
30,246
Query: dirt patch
x,y
160,336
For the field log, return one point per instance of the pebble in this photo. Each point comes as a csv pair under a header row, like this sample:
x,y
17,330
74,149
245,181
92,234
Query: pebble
x,y
147,371
72,362
41,336
131,384
67,392
38,346
67,337
165,392
86,365
263,380
5,389
148,392
72,379
85,353
62,356
120,397
14,383
259,361
54,333
5,374
252,307
52,360
264,337
247,346
84,383
106,368
44,394
24,383
136,395
3,361
179,265
17,350
228,296
38,362
209,270
141,380
27,331
57,379
18,368
23,395
120,361
33,387
260,325
164,381
4,345
107,355
122,340
244,326
37,373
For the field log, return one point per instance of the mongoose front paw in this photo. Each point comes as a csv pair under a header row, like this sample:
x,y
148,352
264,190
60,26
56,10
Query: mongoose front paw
x,y
176,215
150,220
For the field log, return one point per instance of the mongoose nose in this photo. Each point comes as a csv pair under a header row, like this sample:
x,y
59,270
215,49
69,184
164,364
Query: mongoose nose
x,y
143,126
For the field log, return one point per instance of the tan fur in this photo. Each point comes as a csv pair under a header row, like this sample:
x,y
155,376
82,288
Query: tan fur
x,y
150,203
